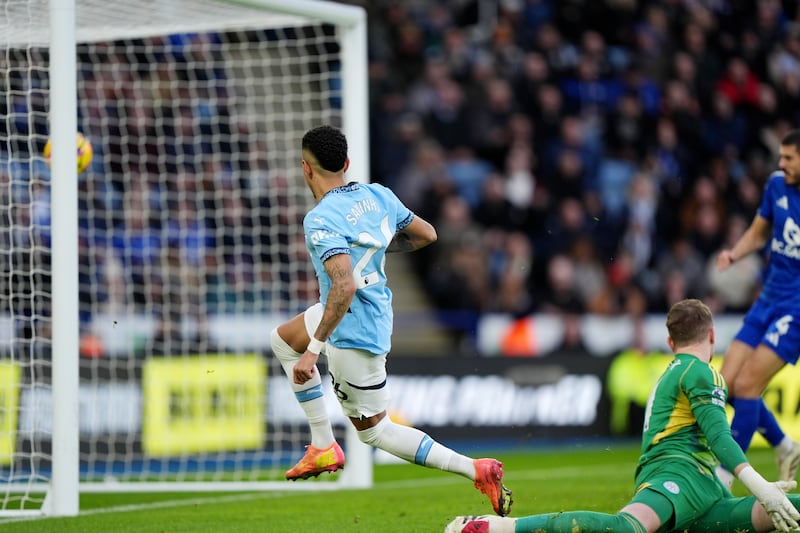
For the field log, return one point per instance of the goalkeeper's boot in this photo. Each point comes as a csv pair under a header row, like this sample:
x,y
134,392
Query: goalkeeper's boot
x,y
317,461
481,524
788,463
489,480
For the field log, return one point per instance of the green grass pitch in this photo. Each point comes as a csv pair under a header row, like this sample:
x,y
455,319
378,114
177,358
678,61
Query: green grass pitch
x,y
405,498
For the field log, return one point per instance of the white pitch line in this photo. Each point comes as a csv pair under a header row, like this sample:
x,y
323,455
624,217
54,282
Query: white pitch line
x,y
539,473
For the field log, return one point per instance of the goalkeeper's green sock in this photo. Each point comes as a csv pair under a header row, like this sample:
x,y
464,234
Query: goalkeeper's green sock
x,y
579,522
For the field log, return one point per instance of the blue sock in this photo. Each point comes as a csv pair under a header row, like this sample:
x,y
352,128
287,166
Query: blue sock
x,y
745,420
768,426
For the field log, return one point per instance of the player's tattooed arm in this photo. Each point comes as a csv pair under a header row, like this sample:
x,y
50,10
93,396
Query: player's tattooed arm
x,y
400,243
418,234
343,287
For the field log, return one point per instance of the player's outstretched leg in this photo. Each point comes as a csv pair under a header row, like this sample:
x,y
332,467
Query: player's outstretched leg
x,y
418,447
489,480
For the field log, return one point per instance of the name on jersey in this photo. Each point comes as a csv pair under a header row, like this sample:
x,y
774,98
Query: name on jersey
x,y
359,209
790,246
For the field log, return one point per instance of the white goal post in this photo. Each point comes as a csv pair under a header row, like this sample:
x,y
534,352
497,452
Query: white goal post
x,y
136,298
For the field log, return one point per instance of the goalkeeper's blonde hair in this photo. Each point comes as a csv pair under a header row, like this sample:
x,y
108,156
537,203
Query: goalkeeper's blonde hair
x,y
689,321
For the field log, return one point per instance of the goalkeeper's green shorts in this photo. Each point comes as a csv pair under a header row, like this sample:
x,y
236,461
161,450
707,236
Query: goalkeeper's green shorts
x,y
690,491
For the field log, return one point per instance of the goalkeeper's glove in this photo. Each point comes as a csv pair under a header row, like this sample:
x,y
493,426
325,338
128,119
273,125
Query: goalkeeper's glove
x,y
772,496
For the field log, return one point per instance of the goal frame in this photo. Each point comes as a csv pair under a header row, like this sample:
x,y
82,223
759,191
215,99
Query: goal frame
x,y
63,490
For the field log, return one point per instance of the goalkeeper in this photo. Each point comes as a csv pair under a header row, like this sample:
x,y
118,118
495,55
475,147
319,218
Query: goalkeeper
x,y
685,434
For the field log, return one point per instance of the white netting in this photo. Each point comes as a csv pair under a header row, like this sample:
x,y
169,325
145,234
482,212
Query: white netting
x,y
191,247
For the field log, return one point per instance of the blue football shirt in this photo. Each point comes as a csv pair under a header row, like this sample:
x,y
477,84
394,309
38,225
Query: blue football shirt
x,y
781,206
360,220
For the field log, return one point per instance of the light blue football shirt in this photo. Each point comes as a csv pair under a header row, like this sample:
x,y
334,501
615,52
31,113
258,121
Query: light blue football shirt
x,y
781,206
360,220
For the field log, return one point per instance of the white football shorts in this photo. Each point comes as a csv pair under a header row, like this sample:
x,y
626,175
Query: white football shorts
x,y
359,377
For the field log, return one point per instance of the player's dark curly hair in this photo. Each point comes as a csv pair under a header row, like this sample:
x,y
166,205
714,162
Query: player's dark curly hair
x,y
328,145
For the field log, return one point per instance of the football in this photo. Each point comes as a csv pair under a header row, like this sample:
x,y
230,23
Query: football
x,y
84,152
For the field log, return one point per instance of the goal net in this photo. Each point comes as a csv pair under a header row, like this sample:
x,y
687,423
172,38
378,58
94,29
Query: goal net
x,y
189,240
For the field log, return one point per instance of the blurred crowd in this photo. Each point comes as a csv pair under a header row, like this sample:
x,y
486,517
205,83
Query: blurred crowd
x,y
181,216
575,156
582,156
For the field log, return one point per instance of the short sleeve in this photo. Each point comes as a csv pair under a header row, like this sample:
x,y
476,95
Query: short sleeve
x,y
322,240
403,215
765,209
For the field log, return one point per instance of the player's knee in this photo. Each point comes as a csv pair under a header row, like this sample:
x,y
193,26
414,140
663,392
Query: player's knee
x,y
275,338
744,386
373,436
280,348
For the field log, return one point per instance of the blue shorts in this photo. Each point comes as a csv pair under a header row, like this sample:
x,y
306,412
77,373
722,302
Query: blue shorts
x,y
776,327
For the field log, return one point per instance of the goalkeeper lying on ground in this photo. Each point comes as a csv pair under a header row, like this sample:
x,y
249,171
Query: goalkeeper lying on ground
x,y
685,434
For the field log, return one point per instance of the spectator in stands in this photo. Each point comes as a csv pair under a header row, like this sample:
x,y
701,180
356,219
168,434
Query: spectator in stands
x,y
639,237
424,172
739,84
468,172
628,127
560,299
590,281
459,275
138,246
546,117
562,55
680,268
587,92
491,122
533,74
576,139
695,42
495,211
654,42
672,164
724,130
737,287
512,288
681,108
448,120
702,215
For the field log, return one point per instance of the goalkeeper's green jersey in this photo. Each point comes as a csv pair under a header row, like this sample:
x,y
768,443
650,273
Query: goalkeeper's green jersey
x,y
685,418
